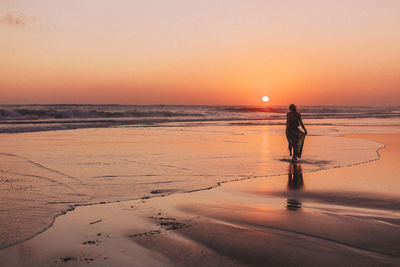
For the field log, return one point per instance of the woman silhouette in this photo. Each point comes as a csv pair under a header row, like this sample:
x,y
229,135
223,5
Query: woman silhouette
x,y
293,132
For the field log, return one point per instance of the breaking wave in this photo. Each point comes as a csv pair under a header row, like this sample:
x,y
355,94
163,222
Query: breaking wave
x,y
28,118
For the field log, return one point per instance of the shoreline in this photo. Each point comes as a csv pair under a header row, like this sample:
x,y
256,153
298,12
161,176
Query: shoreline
x,y
218,184
165,225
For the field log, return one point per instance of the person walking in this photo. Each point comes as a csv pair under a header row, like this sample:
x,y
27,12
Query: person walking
x,y
293,133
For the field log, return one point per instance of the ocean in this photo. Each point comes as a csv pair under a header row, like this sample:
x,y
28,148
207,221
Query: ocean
x,y
32,118
57,157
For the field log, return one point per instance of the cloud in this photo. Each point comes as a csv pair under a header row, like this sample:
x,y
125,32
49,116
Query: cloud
x,y
18,20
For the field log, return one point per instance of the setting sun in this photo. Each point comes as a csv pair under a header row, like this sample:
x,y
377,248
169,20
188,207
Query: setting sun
x,y
265,99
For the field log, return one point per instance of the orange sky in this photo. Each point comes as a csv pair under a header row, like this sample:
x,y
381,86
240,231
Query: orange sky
x,y
200,52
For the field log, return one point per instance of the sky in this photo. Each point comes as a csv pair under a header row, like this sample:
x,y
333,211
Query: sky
x,y
225,52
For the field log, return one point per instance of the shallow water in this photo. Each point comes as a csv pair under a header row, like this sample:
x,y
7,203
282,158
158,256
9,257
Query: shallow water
x,y
45,173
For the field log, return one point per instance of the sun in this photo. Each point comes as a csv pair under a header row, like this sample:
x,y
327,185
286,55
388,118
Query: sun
x,y
265,99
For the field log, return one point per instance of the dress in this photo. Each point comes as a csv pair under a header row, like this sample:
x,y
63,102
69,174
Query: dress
x,y
292,130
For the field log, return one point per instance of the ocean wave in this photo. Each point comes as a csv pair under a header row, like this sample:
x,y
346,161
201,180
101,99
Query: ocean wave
x,y
36,114
255,109
29,118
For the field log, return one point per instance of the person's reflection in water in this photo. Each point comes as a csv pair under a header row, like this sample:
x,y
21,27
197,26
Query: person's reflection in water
x,y
295,182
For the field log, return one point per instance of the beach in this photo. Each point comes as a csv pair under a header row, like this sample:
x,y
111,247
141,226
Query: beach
x,y
197,185
316,214
199,133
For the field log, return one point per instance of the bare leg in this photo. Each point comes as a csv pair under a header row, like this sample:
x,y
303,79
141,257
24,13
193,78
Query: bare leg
x,y
294,158
290,148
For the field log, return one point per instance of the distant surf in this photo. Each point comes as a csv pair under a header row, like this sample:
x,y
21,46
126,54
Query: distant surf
x,y
32,118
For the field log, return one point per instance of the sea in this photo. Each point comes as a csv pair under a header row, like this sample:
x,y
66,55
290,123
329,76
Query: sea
x,y
54,158
32,118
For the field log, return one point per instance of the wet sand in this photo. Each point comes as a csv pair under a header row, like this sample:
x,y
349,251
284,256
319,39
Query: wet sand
x,y
344,216
45,174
